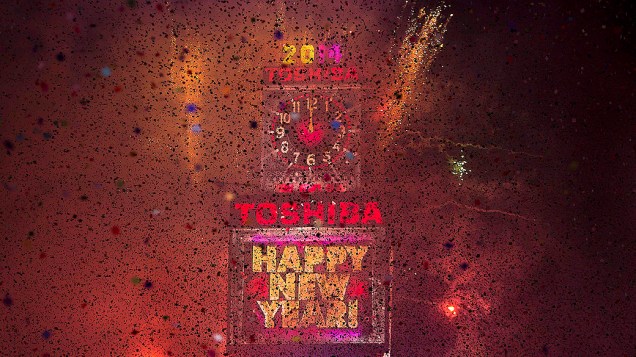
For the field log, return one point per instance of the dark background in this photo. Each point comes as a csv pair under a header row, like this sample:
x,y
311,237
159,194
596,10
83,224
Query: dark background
x,y
115,209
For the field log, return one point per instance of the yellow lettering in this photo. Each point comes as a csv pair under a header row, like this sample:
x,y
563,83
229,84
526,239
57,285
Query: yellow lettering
x,y
289,259
269,309
290,314
335,255
314,255
258,258
333,286
307,286
312,316
278,285
335,314
357,254
353,313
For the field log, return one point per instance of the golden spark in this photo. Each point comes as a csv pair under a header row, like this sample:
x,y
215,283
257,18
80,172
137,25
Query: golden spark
x,y
422,42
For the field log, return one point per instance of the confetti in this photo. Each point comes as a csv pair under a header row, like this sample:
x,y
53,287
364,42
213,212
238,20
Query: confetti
x,y
217,337
191,108
497,143
46,334
7,301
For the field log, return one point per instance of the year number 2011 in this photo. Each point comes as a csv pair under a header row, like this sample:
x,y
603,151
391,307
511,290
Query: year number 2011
x,y
308,54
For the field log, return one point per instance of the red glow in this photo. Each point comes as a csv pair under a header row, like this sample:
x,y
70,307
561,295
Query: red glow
x,y
450,310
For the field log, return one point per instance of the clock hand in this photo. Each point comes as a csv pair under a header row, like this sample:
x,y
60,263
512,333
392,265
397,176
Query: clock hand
x,y
311,123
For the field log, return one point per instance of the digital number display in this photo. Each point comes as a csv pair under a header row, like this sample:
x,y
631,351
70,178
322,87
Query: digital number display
x,y
309,54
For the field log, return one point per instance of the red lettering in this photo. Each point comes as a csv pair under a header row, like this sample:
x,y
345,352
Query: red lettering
x,y
299,74
331,213
352,74
307,74
349,213
314,73
285,187
308,213
285,74
309,188
245,210
289,213
260,219
371,213
270,73
337,73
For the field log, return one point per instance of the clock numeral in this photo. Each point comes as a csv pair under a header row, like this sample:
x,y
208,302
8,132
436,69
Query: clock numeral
x,y
313,106
285,118
336,146
327,157
280,132
311,159
284,147
327,104
296,155
296,105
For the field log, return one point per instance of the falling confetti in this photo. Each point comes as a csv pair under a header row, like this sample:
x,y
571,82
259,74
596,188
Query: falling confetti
x,y
191,108
46,334
106,72
132,129
7,301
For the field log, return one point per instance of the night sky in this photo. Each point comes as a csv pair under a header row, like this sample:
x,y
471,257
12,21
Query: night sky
x,y
503,168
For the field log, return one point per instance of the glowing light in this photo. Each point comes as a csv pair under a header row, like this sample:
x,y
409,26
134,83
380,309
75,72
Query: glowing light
x,y
422,41
187,68
458,167
451,311
106,72
229,196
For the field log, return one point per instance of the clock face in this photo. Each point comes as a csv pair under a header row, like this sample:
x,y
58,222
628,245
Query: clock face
x,y
311,132
311,139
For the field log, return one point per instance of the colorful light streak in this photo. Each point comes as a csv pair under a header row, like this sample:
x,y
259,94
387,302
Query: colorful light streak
x,y
186,71
421,142
422,42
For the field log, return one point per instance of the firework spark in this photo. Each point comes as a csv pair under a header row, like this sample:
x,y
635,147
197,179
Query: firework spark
x,y
420,142
458,167
422,41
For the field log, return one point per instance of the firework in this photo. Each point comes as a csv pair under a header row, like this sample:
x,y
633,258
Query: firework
x,y
421,43
458,167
